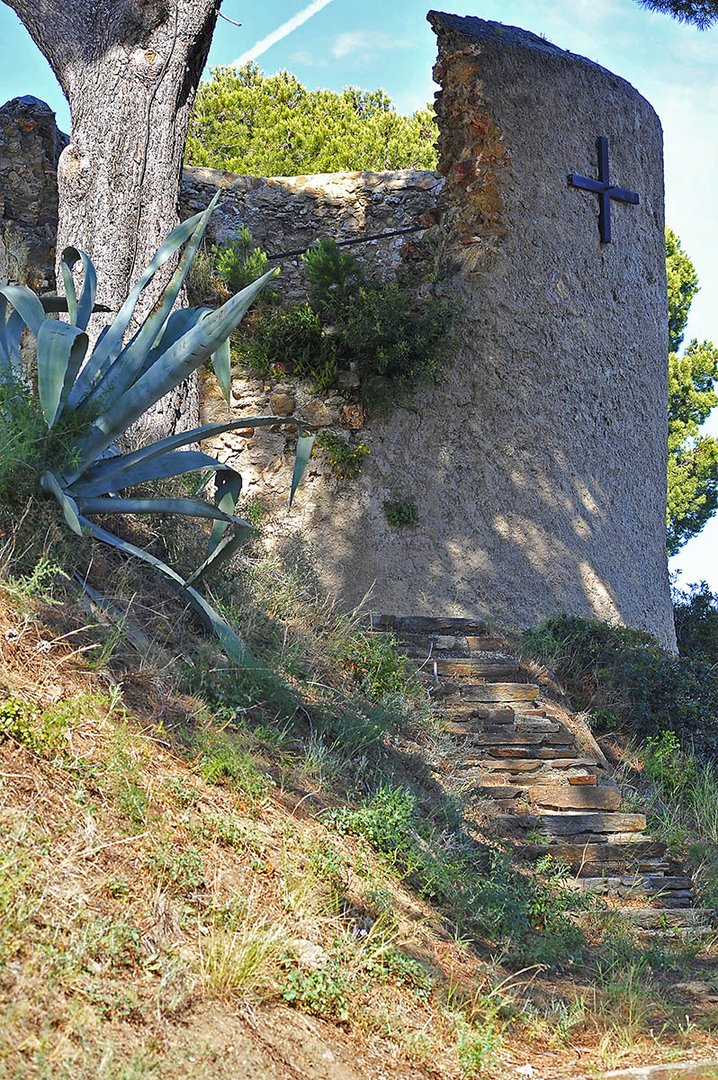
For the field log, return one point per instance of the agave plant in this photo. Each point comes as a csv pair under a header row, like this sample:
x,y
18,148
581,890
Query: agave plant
x,y
119,381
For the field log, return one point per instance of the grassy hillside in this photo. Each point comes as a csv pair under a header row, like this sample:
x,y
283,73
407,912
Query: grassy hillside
x,y
207,871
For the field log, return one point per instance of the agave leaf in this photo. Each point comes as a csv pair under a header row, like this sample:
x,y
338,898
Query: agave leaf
x,y
185,507
60,351
224,550
170,369
228,489
301,460
222,364
11,367
79,311
50,485
230,641
133,357
26,304
173,463
178,324
107,351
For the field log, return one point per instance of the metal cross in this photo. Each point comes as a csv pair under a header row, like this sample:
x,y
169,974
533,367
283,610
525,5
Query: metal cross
x,y
604,189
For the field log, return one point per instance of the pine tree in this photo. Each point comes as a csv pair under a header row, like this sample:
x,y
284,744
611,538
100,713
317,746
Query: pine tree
x,y
692,380
271,125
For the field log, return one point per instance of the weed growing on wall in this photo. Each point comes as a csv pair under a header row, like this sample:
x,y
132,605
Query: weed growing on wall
x,y
402,511
345,458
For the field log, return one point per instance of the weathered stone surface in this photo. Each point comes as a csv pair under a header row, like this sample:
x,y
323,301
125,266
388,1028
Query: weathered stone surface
x,y
290,213
677,1070
569,824
558,797
490,692
30,145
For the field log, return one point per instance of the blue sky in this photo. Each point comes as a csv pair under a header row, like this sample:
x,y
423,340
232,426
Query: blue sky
x,y
388,43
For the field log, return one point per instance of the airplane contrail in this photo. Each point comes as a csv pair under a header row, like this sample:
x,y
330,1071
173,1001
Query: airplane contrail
x,y
282,31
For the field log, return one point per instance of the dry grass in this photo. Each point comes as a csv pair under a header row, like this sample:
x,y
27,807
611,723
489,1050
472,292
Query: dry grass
x,y
167,879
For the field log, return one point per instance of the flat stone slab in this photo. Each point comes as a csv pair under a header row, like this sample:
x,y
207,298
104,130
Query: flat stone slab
x,y
560,797
495,668
677,1070
571,823
586,856
667,918
490,692
637,885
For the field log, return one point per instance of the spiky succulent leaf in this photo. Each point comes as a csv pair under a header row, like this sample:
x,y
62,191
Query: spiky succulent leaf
x,y
222,365
170,369
50,485
230,641
184,507
60,351
172,463
78,310
228,488
301,460
107,351
132,360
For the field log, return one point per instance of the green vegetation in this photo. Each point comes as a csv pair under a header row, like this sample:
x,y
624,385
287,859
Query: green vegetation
x,y
238,262
93,400
345,457
402,511
270,125
678,790
692,397
700,13
628,682
393,344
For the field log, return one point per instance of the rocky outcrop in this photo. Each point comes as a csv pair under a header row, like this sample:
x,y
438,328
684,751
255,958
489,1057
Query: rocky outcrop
x,y
30,145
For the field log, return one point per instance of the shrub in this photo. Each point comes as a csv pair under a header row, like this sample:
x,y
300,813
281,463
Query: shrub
x,y
696,618
624,678
238,262
399,512
346,458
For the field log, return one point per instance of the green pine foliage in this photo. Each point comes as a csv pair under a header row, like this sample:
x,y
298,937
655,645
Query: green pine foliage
x,y
692,379
700,13
270,125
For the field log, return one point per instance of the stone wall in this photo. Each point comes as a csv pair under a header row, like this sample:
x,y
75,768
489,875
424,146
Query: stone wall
x,y
30,145
538,464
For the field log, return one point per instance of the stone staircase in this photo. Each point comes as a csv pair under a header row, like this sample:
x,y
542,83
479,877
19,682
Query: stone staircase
x,y
533,776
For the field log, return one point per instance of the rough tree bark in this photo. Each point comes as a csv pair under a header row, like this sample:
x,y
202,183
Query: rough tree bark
x,y
129,70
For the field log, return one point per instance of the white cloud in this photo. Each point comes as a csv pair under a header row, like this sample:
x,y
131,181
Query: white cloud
x,y
287,28
366,42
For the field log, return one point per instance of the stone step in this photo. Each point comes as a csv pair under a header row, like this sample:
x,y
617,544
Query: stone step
x,y
575,797
488,692
635,885
667,918
506,735
596,858
498,668
538,753
570,823
528,764
484,717
430,624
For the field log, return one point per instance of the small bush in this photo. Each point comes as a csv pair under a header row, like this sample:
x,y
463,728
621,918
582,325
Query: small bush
x,y
321,992
346,458
696,618
400,512
43,732
238,262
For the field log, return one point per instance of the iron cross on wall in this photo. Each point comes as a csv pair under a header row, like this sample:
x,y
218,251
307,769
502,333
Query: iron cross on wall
x,y
604,189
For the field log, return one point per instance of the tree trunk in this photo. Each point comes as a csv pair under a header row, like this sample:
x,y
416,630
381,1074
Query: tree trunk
x,y
129,69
